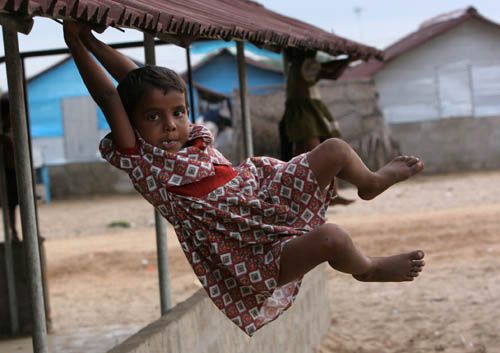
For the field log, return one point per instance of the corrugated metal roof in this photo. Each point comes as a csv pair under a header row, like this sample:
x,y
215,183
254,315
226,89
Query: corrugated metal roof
x,y
197,19
427,31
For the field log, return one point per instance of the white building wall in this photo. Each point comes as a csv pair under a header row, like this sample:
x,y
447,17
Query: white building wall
x,y
52,149
453,75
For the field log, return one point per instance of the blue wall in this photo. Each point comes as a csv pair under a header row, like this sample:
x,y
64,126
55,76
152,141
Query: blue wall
x,y
207,47
45,94
221,75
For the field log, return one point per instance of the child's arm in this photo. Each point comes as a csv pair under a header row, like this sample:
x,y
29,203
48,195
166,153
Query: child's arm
x,y
117,64
100,87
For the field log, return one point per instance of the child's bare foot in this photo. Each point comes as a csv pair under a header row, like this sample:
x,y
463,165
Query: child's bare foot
x,y
399,169
398,268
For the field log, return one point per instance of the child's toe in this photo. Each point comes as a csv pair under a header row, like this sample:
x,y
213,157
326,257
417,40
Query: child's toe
x,y
412,161
417,255
418,263
417,166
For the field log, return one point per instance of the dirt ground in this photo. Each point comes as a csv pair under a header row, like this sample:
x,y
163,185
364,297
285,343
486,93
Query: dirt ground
x,y
103,280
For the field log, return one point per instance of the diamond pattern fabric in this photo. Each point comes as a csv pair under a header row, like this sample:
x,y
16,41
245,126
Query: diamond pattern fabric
x,y
234,235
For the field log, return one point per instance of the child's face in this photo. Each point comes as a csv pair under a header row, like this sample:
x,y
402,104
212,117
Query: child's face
x,y
162,119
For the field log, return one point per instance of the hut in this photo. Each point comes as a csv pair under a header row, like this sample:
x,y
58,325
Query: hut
x,y
439,90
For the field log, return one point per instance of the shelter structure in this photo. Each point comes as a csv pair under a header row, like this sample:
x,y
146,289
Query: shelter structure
x,y
441,84
176,22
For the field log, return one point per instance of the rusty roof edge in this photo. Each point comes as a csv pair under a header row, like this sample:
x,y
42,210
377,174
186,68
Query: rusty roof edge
x,y
167,24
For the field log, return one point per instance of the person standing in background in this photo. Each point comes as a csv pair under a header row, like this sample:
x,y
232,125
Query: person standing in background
x,y
307,121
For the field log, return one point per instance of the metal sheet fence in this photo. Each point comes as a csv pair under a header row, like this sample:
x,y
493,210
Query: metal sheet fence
x,y
459,90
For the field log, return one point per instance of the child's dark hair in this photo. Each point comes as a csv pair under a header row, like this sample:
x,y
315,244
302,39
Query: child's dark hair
x,y
139,81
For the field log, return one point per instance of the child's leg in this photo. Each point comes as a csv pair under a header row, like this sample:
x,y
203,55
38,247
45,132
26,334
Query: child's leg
x,y
335,157
331,243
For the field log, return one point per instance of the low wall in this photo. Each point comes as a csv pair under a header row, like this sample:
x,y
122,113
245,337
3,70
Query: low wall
x,y
453,144
79,179
197,326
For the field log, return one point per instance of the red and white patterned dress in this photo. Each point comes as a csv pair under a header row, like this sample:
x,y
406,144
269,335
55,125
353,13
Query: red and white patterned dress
x,y
231,222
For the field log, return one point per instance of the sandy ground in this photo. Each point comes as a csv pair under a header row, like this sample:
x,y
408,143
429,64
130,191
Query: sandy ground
x,y
103,281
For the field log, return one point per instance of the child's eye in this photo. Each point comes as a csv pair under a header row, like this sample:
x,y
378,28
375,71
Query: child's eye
x,y
179,113
153,116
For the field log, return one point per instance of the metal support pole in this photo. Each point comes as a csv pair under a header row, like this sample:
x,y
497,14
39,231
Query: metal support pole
x,y
245,109
160,226
41,249
162,255
25,183
9,262
190,84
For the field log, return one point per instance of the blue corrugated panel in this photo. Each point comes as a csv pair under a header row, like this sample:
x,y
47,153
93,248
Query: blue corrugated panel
x,y
221,75
45,94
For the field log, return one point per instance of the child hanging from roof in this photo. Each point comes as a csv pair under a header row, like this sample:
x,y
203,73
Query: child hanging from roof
x,y
250,232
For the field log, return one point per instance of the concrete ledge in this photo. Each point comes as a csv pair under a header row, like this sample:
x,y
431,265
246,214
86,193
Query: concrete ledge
x,y
453,144
197,326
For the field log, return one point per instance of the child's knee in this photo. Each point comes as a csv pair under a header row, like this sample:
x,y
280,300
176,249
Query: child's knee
x,y
336,148
334,239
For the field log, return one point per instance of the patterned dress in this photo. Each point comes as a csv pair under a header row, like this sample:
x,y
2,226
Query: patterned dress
x,y
232,235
